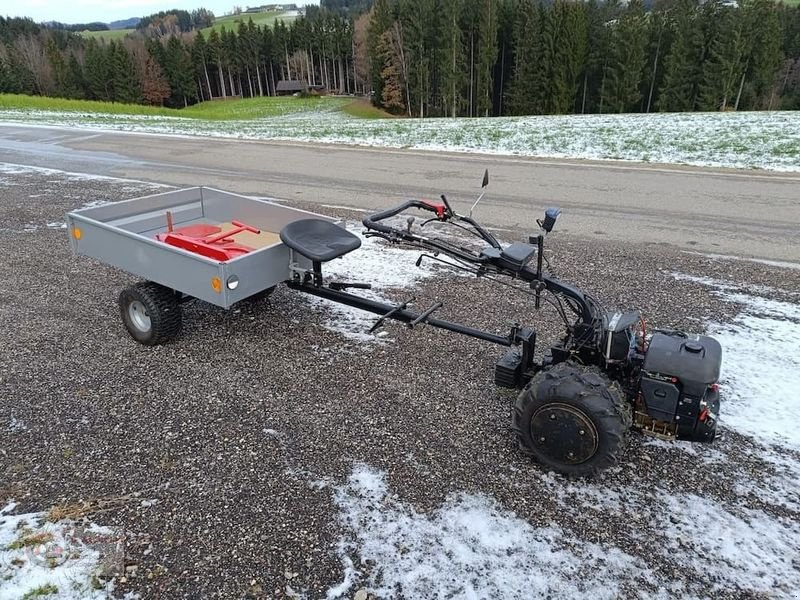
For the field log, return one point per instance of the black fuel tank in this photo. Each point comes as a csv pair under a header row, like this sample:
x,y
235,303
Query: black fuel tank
x,y
694,359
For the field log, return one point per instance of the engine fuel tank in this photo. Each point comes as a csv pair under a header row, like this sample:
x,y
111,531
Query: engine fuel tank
x,y
694,359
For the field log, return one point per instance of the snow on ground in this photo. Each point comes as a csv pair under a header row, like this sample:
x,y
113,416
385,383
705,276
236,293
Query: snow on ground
x,y
771,263
46,559
760,363
760,140
469,548
15,169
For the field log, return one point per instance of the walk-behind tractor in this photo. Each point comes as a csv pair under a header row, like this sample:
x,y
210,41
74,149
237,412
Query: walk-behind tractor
x,y
605,376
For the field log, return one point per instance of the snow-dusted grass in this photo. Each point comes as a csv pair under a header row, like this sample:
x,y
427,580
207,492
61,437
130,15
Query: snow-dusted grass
x,y
752,140
37,555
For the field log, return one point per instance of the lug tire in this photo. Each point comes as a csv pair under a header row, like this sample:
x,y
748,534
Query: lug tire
x,y
150,312
572,419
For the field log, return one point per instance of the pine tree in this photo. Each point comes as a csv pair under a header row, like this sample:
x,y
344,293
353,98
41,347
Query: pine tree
x,y
199,53
682,65
76,80
98,72
487,56
627,59
123,80
451,64
215,57
380,22
58,68
758,83
522,89
726,60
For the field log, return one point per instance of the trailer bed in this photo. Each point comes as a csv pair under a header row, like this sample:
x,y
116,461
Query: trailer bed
x,y
123,234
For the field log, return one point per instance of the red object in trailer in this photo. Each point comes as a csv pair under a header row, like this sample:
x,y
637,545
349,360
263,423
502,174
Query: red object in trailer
x,y
209,240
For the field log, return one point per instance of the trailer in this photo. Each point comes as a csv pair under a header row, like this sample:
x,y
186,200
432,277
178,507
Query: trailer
x,y
126,235
607,373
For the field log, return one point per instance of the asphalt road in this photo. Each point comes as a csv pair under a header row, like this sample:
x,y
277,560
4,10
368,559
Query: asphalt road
x,y
742,213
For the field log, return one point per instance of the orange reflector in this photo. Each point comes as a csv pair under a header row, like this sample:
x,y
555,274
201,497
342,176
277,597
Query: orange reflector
x,y
76,233
216,283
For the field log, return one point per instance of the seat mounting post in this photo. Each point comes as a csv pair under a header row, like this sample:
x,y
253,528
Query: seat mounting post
x,y
317,266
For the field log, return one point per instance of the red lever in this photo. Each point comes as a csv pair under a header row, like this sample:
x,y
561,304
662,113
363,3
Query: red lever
x,y
438,208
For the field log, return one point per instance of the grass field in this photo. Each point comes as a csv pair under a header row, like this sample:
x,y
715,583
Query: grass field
x,y
746,140
217,110
111,34
231,22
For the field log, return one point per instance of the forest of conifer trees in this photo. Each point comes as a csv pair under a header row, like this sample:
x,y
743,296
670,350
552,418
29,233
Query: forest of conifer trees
x,y
426,58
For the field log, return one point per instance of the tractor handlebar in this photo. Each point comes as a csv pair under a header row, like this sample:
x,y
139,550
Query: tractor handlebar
x,y
373,221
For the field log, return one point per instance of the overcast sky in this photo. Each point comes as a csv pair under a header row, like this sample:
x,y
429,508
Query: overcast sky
x,y
84,11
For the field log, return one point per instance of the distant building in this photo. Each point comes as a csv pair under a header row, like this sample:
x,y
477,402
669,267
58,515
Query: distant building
x,y
287,87
272,8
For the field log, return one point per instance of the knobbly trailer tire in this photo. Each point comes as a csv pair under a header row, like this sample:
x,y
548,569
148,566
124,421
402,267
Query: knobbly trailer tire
x,y
150,312
572,419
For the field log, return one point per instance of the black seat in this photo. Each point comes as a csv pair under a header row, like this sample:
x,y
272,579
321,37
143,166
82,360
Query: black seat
x,y
318,240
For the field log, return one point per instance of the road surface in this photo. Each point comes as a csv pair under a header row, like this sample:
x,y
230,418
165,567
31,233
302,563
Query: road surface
x,y
741,213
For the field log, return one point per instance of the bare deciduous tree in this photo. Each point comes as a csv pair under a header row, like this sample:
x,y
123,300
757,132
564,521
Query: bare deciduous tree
x,y
33,56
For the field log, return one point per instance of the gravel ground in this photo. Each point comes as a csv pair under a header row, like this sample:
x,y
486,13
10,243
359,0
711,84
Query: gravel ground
x,y
233,439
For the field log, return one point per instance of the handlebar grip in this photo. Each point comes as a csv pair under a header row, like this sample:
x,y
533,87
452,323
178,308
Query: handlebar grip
x,y
372,221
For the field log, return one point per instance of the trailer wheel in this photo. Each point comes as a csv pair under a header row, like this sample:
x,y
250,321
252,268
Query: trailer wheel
x,y
150,312
262,295
572,419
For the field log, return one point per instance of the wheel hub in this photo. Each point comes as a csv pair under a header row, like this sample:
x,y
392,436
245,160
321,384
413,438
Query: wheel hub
x,y
563,433
139,316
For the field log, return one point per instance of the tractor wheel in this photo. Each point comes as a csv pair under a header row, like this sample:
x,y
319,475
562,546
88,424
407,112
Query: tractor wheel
x,y
150,312
259,296
572,419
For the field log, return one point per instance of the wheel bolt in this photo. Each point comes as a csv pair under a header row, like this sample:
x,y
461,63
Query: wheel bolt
x,y
541,439
581,432
552,416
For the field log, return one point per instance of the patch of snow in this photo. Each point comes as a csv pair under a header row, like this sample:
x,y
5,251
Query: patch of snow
x,y
754,551
59,560
471,547
780,488
17,169
16,426
683,446
760,364
772,263
384,266
468,548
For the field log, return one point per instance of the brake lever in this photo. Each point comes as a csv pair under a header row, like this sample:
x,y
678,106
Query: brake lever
x,y
449,208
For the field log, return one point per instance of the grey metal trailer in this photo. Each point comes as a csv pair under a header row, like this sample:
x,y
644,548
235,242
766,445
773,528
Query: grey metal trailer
x,y
123,234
